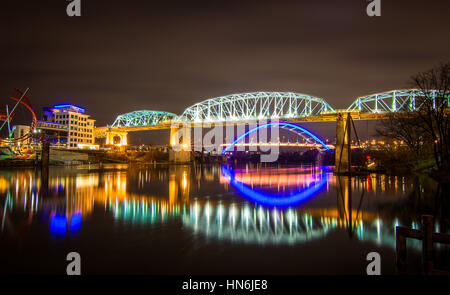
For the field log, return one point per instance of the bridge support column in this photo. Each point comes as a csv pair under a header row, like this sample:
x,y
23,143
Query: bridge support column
x,y
343,142
117,138
180,143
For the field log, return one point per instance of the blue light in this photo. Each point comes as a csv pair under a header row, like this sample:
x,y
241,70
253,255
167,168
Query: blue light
x,y
75,223
275,200
282,124
58,225
62,106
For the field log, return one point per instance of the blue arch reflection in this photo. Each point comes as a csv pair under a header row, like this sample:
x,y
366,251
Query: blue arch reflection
x,y
279,124
59,223
275,199
75,223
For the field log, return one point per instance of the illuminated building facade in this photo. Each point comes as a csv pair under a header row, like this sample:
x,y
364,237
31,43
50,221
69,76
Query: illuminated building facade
x,y
22,130
80,125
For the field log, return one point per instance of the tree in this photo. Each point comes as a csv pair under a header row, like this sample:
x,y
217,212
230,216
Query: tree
x,y
425,128
433,110
405,128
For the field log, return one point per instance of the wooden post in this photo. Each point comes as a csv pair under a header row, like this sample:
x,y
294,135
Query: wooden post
x,y
400,249
427,244
428,237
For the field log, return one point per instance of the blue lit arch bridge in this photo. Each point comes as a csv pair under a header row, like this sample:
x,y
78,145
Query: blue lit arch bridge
x,y
287,107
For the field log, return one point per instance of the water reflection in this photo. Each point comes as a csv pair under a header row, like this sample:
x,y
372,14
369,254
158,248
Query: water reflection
x,y
292,185
250,205
274,226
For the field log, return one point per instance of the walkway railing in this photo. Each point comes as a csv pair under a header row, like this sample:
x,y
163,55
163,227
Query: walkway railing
x,y
428,238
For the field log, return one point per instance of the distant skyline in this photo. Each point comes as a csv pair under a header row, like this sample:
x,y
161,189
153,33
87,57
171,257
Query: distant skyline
x,y
129,55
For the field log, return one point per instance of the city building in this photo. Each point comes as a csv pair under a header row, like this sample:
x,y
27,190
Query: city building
x,y
19,131
80,127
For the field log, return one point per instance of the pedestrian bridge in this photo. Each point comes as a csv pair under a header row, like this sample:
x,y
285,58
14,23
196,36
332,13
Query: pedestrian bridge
x,y
263,105
244,108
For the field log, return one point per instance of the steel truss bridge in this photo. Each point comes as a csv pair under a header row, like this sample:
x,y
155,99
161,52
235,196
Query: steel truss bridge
x,y
266,106
286,106
142,119
255,106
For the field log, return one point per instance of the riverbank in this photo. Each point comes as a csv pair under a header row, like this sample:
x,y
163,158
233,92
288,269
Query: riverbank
x,y
17,163
60,157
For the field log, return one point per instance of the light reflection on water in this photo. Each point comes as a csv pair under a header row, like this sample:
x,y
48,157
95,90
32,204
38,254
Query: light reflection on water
x,y
246,205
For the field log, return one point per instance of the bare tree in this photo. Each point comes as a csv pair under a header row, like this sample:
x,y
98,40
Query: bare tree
x,y
405,128
433,110
426,129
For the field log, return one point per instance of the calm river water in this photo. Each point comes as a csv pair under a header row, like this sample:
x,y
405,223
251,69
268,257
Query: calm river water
x,y
213,219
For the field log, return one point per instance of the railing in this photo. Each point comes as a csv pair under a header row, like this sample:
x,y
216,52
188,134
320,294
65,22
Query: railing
x,y
428,238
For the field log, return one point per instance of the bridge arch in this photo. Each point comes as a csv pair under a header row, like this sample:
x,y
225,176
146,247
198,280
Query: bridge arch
x,y
292,127
255,106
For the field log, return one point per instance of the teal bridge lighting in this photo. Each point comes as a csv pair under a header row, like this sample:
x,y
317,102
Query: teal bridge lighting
x,y
285,106
144,118
393,101
255,106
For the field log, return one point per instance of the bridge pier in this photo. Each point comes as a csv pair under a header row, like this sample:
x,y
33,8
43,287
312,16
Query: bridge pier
x,y
180,144
343,142
117,138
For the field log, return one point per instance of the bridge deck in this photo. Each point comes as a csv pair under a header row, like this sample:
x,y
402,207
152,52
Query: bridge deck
x,y
326,117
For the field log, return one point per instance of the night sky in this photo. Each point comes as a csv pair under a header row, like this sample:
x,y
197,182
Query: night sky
x,y
121,56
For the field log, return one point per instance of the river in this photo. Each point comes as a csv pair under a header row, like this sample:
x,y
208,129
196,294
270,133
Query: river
x,y
209,219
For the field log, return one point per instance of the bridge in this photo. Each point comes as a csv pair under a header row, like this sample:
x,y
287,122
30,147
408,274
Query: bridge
x,y
245,108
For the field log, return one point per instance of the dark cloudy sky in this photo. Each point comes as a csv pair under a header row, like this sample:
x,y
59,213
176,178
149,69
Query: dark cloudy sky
x,y
121,56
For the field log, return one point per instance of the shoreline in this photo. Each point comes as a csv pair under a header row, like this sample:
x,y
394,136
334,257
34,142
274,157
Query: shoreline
x,y
28,164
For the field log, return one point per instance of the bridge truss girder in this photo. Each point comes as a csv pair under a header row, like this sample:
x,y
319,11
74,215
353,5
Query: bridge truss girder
x,y
142,118
404,100
255,106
